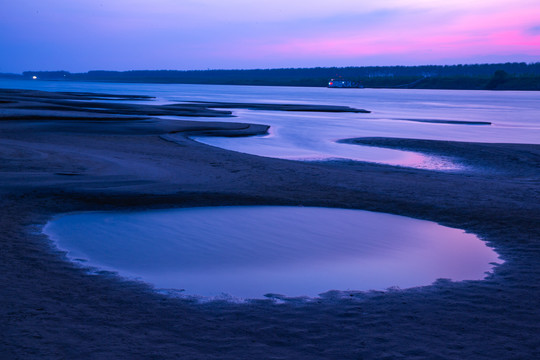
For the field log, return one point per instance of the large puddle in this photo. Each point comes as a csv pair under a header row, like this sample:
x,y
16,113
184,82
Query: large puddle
x,y
249,251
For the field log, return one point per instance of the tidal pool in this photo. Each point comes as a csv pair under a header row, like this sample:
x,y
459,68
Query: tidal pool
x,y
250,251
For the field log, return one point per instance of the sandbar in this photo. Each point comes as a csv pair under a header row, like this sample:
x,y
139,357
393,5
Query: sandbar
x,y
94,158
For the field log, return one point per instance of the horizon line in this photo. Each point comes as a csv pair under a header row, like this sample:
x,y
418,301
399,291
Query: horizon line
x,y
280,68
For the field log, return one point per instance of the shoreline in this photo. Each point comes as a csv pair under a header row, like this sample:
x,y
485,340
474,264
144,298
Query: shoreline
x,y
496,76
323,85
52,308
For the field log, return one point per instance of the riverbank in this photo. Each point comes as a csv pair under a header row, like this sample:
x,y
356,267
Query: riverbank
x,y
52,309
503,76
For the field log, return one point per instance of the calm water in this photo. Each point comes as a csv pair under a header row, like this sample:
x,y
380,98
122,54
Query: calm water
x,y
301,251
515,117
247,252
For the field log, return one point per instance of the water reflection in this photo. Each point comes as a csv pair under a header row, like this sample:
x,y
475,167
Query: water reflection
x,y
250,251
402,113
311,137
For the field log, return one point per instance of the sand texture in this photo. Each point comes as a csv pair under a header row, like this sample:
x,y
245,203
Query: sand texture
x,y
59,154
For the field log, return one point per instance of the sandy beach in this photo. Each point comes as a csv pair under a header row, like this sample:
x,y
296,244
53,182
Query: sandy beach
x,y
61,153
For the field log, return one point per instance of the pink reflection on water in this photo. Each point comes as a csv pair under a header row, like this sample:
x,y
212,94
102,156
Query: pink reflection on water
x,y
250,251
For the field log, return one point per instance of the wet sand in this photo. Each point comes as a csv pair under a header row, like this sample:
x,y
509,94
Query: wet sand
x,y
106,158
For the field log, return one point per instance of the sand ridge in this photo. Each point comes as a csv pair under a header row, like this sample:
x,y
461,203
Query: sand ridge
x,y
52,309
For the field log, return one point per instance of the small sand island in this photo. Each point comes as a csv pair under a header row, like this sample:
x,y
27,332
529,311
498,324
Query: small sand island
x,y
70,152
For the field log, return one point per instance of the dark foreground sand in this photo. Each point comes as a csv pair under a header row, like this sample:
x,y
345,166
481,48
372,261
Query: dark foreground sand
x,y
54,159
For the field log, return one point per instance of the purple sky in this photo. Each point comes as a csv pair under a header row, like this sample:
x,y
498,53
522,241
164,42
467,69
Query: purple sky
x,y
81,35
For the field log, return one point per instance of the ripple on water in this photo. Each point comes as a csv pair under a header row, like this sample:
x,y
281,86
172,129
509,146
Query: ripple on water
x,y
249,251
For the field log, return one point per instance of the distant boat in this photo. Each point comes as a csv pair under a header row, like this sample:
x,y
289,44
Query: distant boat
x,y
340,83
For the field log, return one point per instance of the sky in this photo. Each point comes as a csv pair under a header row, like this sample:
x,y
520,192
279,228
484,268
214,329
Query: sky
x,y
82,35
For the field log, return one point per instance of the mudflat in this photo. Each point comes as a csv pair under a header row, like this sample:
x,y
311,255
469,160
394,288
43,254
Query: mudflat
x,y
63,152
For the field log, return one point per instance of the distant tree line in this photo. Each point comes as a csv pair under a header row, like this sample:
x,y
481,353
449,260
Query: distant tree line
x,y
504,76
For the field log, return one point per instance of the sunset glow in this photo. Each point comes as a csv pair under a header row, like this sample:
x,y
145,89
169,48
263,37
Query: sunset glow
x,y
166,34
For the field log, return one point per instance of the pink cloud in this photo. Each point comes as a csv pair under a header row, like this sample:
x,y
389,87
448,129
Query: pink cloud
x,y
114,34
462,34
